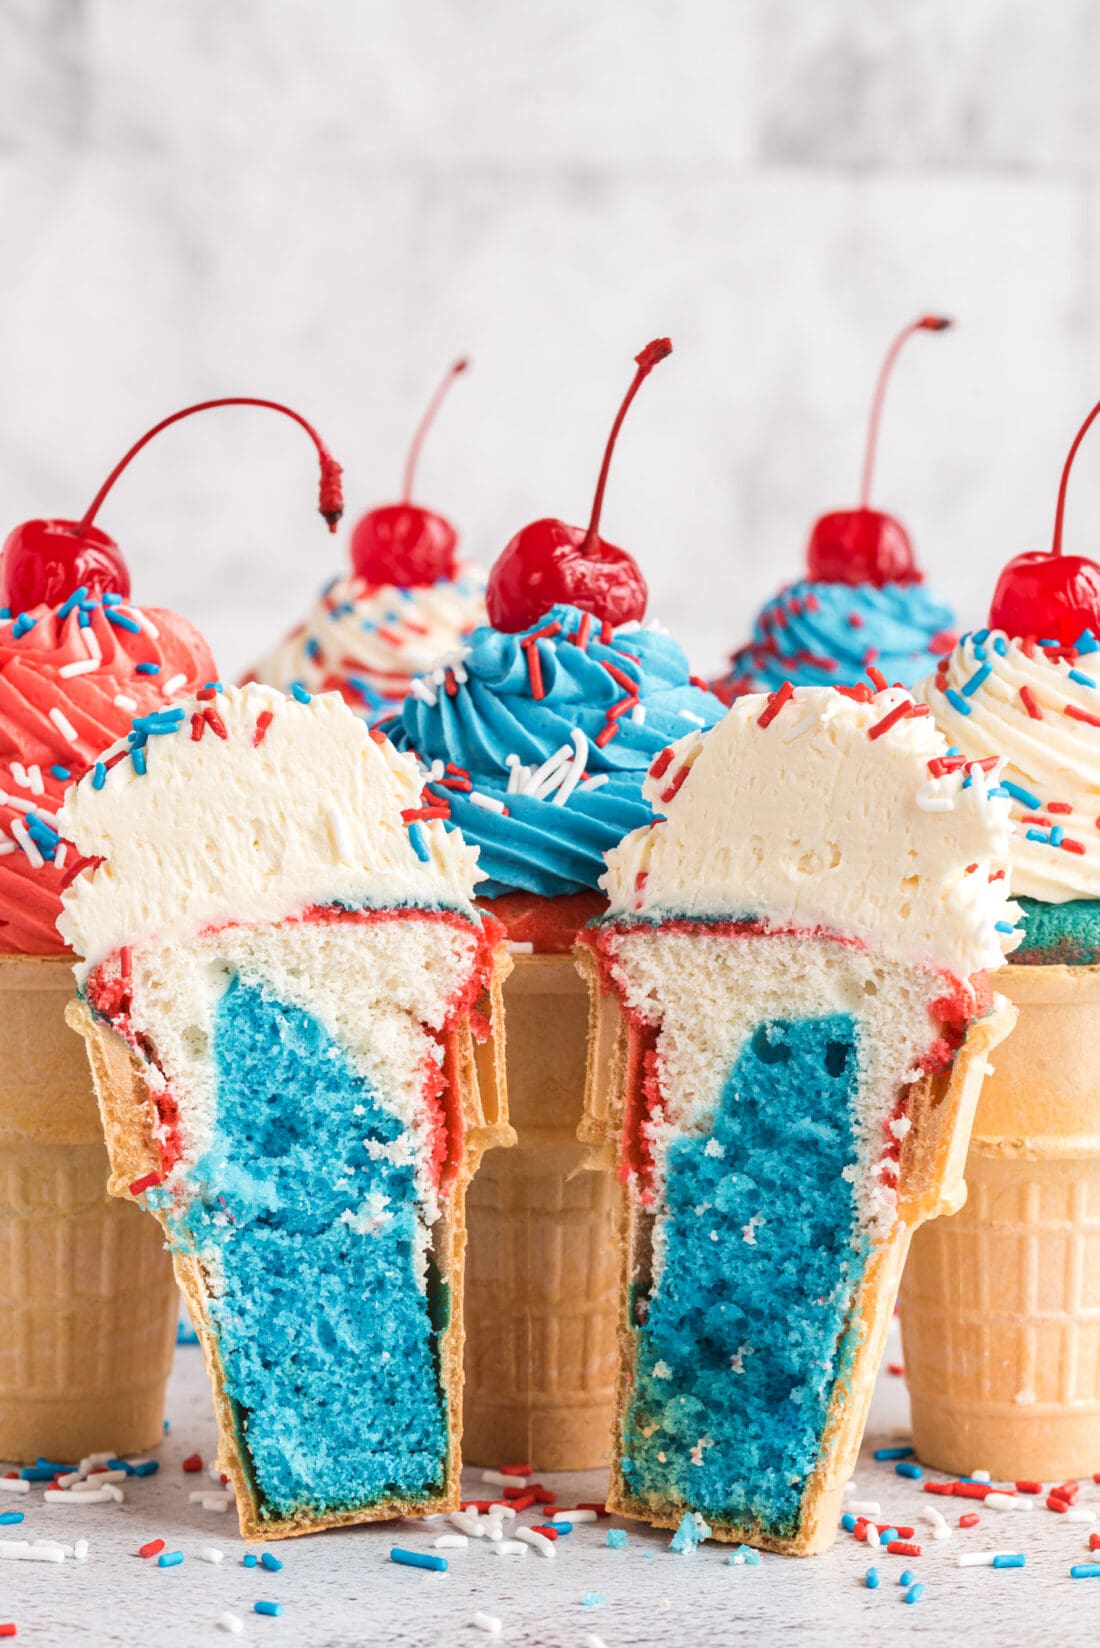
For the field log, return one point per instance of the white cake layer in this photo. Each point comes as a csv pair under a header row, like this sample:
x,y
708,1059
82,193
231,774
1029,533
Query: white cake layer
x,y
378,988
708,993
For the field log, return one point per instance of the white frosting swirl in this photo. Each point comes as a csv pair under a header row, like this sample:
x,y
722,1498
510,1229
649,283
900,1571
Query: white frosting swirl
x,y
1041,711
368,641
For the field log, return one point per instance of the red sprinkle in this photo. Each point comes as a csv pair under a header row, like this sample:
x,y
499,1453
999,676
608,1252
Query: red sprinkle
x,y
1059,807
1067,1491
1069,845
890,719
7,1630
198,727
775,703
673,789
902,1533
876,678
154,1548
512,1470
939,1487
897,1369
1030,703
534,668
1086,716
970,1519
145,1183
545,1528
193,1462
1094,1542
1029,1487
1056,1504
903,1547
662,762
263,721
606,734
522,1503
971,1490
543,1496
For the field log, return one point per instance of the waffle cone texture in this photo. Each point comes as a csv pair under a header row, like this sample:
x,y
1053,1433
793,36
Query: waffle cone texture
x,y
941,1109
542,1287
128,1114
1001,1306
88,1305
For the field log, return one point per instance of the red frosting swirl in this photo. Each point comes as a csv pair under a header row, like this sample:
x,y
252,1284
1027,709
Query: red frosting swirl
x,y
41,752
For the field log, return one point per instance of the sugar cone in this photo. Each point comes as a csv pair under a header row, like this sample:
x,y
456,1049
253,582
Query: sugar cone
x,y
88,1305
542,1290
127,1113
1001,1306
940,1110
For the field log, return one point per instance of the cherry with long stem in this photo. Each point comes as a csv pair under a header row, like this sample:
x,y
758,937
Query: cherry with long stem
x,y
1060,512
650,356
422,428
926,323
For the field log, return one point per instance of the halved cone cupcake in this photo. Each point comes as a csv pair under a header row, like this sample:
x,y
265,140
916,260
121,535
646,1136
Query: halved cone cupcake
x,y
791,1023
283,983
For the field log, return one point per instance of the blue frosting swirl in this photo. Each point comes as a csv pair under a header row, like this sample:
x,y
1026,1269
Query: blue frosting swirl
x,y
824,635
492,725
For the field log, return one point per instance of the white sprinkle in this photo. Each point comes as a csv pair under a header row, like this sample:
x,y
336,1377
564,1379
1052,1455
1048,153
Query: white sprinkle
x,y
934,1518
520,948
341,837
595,781
91,644
420,689
1080,1513
451,1542
487,1622
66,1496
436,772
174,684
980,1476
575,769
496,1509
64,725
7,847
489,802
19,831
574,1516
976,1559
637,715
99,1480
495,1529
538,1542
34,777
122,701
499,1480
80,1550
61,853
866,1507
550,774
210,1553
1006,1502
468,1522
873,1535
230,1622
508,1547
799,728
83,666
96,1459
21,1550
593,1641
68,1479
19,775
14,1485
930,801
686,715
221,1505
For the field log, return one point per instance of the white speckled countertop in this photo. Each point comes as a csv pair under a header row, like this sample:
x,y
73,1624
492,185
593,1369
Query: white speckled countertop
x,y
339,1589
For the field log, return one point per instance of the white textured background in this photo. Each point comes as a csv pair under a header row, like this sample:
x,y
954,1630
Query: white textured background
x,y
325,200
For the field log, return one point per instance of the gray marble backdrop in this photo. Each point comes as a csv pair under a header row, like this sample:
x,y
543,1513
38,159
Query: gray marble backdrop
x,y
325,200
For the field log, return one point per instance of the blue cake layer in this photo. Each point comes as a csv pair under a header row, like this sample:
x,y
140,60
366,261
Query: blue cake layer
x,y
329,1345
774,1305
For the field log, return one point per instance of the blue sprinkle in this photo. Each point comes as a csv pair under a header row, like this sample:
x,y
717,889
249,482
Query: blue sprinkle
x,y
84,619
22,624
169,1559
979,653
1081,678
907,1468
870,1579
907,1578
313,648
270,1562
120,1465
1087,643
212,686
593,1599
970,687
1010,1559
753,1559
300,693
249,1559
111,598
273,1608
1038,835
1085,1570
1024,797
61,773
40,1473
419,845
146,669
893,1453
616,1539
74,600
1000,645
563,1528
914,1593
953,749
999,792
120,620
1057,835
99,776
137,756
418,1559
166,1426
980,635
1004,927
1049,643
848,1522
957,702
7,1518
5,614
148,1467
888,1537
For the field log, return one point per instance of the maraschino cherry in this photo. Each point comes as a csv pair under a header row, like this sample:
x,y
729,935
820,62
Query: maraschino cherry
x,y
401,543
864,546
550,562
44,561
1047,594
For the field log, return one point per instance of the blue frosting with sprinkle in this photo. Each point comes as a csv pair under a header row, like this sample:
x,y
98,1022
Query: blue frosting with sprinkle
x,y
825,635
507,714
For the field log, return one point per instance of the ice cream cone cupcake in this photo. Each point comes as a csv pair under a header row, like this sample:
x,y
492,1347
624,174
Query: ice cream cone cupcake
x,y
282,977
88,1305
862,600
406,600
536,740
793,1017
999,1327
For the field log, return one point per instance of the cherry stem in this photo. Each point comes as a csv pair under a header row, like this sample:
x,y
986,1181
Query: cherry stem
x,y
654,352
331,503
425,424
926,323
1059,515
